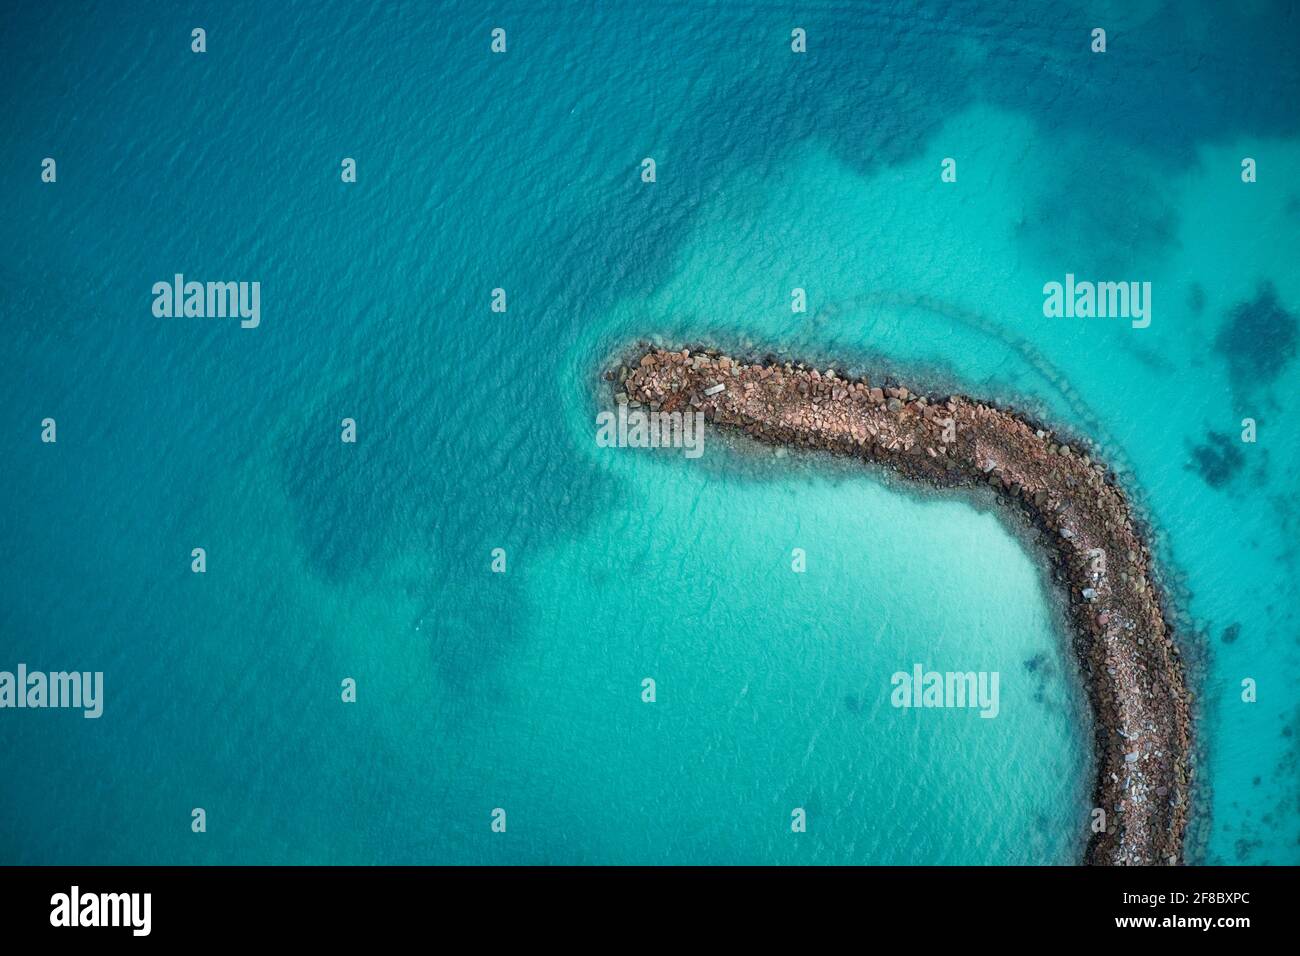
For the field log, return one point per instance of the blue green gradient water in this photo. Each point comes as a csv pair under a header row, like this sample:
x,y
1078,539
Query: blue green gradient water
x,y
371,561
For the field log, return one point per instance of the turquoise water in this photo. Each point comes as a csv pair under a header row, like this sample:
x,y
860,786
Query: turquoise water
x,y
372,561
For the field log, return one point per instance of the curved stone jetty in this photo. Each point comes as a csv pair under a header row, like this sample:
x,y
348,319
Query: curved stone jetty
x,y
1129,660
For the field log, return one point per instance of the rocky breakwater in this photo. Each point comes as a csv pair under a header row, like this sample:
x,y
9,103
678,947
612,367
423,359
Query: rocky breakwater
x,y
1129,660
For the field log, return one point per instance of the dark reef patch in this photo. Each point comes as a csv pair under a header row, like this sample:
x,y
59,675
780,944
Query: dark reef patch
x,y
1245,848
1258,341
1073,217
1231,633
1217,460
